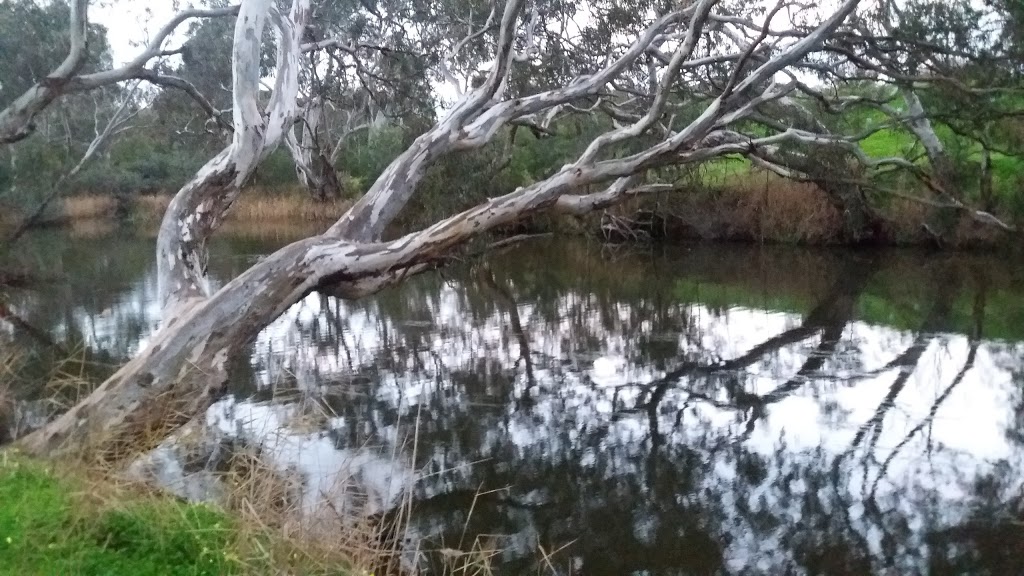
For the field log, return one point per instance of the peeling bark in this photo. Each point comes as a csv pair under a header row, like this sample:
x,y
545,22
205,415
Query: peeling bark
x,y
199,207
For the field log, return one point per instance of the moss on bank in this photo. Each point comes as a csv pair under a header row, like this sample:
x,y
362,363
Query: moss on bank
x,y
59,522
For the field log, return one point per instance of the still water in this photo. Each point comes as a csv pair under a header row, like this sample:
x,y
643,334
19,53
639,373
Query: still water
x,y
702,409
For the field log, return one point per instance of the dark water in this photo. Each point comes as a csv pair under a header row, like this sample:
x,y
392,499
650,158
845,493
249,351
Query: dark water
x,y
688,410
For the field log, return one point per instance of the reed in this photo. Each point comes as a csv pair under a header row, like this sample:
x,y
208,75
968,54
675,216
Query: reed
x,y
89,207
766,208
253,206
776,209
291,208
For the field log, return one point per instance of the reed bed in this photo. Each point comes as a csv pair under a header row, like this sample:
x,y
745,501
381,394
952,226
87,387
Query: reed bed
x,y
89,207
252,206
760,207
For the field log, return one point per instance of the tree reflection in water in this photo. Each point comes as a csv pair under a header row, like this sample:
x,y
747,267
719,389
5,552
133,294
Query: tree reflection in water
x,y
694,411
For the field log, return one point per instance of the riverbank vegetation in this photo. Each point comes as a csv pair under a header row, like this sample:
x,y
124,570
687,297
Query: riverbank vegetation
x,y
63,518
925,150
423,131
728,199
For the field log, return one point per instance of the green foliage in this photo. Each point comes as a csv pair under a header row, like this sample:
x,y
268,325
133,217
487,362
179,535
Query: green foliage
x,y
367,154
277,171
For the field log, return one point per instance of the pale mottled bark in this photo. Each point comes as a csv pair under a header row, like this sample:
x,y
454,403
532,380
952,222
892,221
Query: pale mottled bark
x,y
313,166
199,207
942,220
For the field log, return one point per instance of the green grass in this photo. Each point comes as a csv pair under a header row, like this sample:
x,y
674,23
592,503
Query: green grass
x,y
44,530
54,524
887,142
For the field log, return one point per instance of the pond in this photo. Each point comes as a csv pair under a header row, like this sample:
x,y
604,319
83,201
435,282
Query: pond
x,y
695,409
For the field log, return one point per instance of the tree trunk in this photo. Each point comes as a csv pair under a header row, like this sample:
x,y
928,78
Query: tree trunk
x,y
941,221
985,178
313,166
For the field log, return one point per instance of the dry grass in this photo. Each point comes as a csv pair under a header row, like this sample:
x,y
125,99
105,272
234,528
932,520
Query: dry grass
x,y
756,208
274,525
254,206
782,210
762,207
292,208
89,207
150,208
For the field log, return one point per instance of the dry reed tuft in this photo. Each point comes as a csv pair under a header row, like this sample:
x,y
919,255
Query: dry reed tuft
x,y
257,207
150,208
754,207
89,207
776,209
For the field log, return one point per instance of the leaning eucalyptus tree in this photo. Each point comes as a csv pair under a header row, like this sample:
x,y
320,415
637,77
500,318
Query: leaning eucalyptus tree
x,y
641,78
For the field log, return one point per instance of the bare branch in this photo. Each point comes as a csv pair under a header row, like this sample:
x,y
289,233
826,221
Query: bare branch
x,y
16,119
115,125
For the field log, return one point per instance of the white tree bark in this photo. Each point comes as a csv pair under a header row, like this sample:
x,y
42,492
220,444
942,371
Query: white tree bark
x,y
921,127
199,207
314,165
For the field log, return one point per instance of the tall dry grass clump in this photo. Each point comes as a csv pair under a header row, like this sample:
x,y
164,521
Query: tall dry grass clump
x,y
751,207
150,208
262,207
89,207
778,210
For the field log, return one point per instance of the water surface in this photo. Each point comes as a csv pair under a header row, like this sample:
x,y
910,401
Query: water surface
x,y
702,409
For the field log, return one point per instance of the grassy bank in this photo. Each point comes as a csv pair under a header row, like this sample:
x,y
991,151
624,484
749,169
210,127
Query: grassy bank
x,y
57,521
